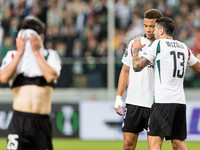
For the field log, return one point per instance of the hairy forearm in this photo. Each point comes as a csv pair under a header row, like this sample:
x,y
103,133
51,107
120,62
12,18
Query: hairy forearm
x,y
8,72
123,81
139,62
48,72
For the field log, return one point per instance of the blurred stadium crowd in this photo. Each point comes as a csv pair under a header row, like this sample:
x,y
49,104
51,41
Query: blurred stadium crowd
x,y
78,29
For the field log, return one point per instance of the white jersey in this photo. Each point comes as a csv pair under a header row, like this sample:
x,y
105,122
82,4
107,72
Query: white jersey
x,y
140,89
171,58
28,65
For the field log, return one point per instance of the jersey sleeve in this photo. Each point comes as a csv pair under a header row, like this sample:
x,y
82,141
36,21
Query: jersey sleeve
x,y
127,57
191,58
8,58
151,51
54,61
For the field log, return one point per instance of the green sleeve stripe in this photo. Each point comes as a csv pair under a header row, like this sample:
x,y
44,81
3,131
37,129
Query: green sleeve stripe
x,y
158,61
158,48
158,65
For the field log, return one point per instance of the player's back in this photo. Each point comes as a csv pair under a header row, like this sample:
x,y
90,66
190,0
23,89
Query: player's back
x,y
171,61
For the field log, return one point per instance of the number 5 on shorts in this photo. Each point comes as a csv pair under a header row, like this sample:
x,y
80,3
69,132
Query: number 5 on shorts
x,y
12,142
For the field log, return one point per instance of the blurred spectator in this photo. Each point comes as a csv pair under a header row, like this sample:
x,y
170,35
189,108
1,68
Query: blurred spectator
x,y
68,38
91,48
54,14
77,50
102,48
87,34
51,36
161,5
196,12
1,34
38,9
13,27
68,24
196,44
135,29
119,37
60,47
100,11
7,45
6,21
78,6
19,8
120,50
123,14
168,12
49,45
173,3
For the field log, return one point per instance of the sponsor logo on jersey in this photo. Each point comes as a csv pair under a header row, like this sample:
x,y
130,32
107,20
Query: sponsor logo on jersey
x,y
150,65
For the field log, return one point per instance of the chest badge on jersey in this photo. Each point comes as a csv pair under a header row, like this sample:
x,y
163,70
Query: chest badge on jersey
x,y
125,53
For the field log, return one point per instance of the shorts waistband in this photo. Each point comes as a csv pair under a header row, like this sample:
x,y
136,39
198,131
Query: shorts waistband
x,y
30,115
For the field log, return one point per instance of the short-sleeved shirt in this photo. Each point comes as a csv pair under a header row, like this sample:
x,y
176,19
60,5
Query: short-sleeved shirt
x,y
140,91
171,58
28,65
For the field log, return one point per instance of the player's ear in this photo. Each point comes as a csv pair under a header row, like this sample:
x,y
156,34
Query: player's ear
x,y
162,31
42,37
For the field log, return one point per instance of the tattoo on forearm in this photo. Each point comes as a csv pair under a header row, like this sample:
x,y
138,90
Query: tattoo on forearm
x,y
139,62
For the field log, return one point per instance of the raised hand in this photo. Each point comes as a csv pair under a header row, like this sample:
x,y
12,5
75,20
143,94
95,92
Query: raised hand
x,y
20,44
36,43
137,43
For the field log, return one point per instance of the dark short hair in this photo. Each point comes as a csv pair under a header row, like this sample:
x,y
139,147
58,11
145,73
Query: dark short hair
x,y
153,14
168,25
32,23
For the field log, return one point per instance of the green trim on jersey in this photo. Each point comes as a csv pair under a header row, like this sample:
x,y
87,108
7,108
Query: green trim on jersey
x,y
47,56
154,101
158,61
158,65
158,48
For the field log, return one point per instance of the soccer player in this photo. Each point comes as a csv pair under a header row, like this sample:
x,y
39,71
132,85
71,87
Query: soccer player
x,y
168,114
138,103
31,72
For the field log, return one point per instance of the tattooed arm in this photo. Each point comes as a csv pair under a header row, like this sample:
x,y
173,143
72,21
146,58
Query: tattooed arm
x,y
139,62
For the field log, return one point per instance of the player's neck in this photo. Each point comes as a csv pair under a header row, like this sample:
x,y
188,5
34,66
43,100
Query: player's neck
x,y
152,39
166,37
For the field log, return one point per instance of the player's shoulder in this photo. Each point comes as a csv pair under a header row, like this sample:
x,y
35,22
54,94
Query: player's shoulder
x,y
130,41
155,42
9,57
51,52
11,53
174,43
184,44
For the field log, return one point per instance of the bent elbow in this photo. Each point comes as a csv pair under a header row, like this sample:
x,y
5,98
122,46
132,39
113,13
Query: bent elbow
x,y
4,80
51,79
